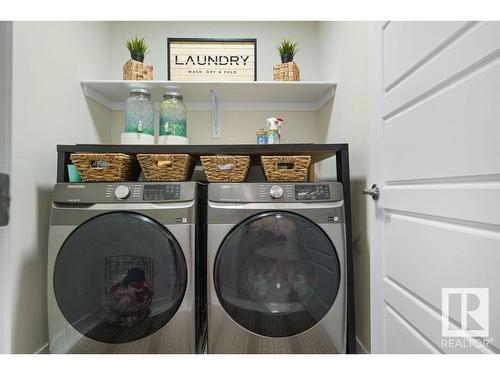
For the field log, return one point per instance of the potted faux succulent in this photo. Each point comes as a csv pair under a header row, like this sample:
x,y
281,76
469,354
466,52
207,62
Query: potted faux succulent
x,y
137,47
135,69
287,50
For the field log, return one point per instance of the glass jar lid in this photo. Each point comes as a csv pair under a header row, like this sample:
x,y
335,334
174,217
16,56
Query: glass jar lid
x,y
173,94
140,91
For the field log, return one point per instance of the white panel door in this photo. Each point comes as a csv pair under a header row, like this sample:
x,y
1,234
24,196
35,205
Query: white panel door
x,y
5,123
435,154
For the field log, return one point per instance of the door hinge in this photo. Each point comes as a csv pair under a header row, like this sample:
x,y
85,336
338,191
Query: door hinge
x,y
4,199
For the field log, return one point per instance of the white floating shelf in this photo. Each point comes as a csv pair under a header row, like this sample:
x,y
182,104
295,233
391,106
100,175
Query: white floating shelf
x,y
236,96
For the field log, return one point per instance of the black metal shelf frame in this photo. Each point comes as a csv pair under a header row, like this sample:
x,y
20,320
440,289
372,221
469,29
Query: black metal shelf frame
x,y
318,153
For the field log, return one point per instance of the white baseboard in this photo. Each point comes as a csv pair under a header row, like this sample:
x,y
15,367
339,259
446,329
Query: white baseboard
x,y
360,349
43,350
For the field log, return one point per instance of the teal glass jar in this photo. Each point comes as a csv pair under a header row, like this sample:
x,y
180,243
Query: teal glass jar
x,y
139,114
173,115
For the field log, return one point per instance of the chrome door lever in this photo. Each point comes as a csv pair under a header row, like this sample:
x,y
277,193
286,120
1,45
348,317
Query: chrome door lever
x,y
374,192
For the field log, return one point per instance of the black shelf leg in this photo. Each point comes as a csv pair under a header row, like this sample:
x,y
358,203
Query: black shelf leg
x,y
342,158
62,161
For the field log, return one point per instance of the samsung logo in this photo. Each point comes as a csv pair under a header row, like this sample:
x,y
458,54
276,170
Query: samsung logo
x,y
76,186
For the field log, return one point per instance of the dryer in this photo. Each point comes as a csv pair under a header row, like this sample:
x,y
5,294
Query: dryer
x,y
121,268
276,268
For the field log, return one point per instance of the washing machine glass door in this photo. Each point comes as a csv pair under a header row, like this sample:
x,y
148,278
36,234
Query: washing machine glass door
x,y
277,274
119,277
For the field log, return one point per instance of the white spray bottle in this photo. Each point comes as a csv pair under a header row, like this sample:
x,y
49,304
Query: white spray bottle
x,y
274,130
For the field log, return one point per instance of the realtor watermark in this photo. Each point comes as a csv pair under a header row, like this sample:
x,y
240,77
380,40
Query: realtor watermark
x,y
465,318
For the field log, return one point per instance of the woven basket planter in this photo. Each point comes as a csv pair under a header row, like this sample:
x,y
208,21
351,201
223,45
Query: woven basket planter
x,y
106,167
136,70
286,72
166,167
226,168
285,168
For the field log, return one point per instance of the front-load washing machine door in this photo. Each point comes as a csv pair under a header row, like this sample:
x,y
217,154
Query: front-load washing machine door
x,y
119,277
277,274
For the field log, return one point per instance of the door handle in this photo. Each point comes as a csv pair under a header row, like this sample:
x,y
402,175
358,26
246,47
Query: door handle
x,y
4,199
374,192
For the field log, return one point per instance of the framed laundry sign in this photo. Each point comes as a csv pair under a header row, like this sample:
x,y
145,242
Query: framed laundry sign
x,y
202,59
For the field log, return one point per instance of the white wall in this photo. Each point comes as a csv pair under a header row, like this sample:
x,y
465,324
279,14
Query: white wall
x,y
236,127
49,60
5,123
5,93
344,59
268,34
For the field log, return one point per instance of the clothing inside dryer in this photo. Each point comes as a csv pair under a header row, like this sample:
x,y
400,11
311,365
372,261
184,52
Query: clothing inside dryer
x,y
129,291
272,270
119,277
277,274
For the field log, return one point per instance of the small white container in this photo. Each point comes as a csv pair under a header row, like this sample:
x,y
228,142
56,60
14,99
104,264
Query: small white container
x,y
172,140
137,139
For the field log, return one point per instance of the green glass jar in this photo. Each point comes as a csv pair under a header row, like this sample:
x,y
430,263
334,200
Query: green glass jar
x,y
173,115
140,113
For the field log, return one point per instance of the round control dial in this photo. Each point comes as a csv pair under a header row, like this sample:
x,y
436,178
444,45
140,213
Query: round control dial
x,y
276,191
122,192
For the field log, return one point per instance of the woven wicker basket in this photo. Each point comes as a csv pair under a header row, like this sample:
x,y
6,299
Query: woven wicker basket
x,y
166,167
226,168
136,70
286,72
285,168
106,167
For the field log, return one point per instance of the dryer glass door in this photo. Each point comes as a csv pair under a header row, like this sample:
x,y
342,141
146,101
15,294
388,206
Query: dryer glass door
x,y
119,277
277,274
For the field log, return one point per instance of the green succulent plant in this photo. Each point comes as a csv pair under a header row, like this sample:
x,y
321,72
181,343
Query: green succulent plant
x,y
137,46
287,47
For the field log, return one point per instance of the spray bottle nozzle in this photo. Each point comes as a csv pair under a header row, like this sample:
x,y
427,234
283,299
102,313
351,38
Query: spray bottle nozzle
x,y
274,122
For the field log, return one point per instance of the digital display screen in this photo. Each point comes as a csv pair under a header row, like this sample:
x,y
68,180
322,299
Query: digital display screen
x,y
161,192
312,192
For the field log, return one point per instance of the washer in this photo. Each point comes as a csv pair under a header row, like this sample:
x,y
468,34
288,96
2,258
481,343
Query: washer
x,y
121,268
276,268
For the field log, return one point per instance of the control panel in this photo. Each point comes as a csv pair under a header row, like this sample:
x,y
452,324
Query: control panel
x,y
161,192
122,191
126,192
312,192
275,192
